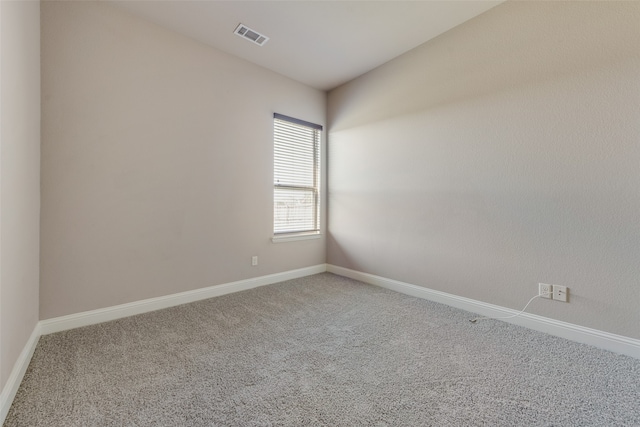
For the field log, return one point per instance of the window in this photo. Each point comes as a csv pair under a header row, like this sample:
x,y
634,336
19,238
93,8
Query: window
x,y
296,184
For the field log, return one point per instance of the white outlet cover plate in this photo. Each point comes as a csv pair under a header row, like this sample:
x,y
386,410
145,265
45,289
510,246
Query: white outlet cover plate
x,y
545,290
560,293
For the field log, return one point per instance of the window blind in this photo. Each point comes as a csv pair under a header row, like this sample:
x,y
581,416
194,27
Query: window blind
x,y
296,175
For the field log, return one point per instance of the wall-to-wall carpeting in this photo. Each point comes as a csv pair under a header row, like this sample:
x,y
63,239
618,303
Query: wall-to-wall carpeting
x,y
321,350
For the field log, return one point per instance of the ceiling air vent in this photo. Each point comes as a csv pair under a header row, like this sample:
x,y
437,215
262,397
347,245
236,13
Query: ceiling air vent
x,y
254,36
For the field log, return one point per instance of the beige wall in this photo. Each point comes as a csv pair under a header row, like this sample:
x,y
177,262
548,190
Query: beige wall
x,y
19,177
157,159
504,153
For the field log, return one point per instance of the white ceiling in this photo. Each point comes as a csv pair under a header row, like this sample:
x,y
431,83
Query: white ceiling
x,y
320,43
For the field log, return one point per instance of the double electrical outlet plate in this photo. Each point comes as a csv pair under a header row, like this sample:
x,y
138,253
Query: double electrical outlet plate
x,y
556,292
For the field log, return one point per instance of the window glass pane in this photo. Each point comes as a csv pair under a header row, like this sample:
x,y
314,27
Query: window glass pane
x,y
294,210
296,175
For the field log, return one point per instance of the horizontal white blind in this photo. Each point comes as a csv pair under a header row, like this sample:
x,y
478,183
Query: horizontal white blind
x,y
296,175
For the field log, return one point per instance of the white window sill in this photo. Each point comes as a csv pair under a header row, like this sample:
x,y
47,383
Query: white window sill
x,y
294,237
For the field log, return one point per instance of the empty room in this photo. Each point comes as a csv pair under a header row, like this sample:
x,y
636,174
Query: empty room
x,y
331,213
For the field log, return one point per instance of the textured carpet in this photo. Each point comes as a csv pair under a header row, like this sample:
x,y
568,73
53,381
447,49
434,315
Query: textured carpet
x,y
322,350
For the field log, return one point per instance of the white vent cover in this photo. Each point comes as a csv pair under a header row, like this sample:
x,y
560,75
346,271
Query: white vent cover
x,y
251,35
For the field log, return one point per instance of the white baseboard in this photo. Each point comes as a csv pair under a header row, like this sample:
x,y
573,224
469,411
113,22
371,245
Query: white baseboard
x,y
605,340
17,373
92,317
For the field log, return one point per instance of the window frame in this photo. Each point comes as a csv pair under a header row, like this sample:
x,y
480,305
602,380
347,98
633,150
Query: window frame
x,y
315,188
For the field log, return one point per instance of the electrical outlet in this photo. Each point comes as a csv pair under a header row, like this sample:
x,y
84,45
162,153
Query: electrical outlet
x,y
545,290
560,293
254,260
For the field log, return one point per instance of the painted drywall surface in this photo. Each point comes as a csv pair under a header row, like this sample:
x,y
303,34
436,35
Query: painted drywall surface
x,y
19,178
157,157
504,153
